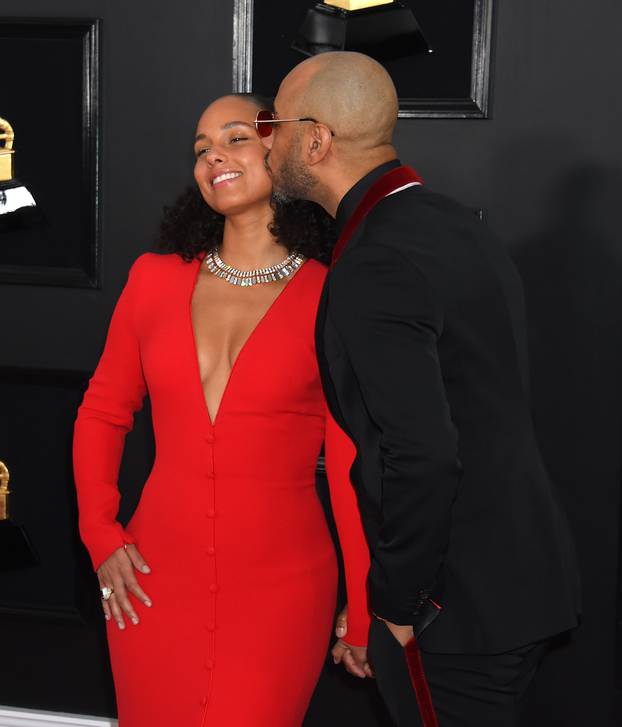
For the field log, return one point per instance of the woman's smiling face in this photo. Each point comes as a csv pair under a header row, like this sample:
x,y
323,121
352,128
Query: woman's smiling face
x,y
229,168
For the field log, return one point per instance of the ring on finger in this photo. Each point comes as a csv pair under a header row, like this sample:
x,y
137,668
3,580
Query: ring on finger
x,y
106,592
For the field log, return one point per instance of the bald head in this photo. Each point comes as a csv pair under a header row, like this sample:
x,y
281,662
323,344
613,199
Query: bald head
x,y
353,102
349,92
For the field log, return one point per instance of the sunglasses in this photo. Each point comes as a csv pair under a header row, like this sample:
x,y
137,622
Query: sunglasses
x,y
265,120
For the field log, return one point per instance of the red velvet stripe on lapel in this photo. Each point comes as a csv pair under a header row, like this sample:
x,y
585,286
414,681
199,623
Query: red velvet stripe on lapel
x,y
386,185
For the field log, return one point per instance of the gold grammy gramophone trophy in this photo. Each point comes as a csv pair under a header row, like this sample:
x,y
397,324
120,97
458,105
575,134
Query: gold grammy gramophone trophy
x,y
4,492
15,548
17,205
6,150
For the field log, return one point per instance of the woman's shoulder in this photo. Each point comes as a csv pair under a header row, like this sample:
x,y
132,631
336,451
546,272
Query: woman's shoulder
x,y
152,265
315,272
311,281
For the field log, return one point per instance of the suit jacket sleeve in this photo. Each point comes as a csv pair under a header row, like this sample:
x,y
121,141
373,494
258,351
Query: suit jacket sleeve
x,y
340,453
115,392
389,325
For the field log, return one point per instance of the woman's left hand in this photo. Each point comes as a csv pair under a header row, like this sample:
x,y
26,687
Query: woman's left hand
x,y
354,658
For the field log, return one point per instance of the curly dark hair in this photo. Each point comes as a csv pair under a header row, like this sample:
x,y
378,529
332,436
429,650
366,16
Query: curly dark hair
x,y
190,226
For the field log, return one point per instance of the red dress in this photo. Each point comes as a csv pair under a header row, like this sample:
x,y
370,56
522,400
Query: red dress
x,y
244,573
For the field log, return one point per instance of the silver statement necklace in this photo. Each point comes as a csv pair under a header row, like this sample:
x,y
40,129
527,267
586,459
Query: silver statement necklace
x,y
252,277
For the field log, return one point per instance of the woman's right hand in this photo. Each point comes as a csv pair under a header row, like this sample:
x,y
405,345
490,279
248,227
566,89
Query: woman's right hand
x,y
354,658
117,572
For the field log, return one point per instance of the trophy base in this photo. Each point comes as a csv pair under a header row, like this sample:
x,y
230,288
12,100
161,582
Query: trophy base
x,y
18,209
386,32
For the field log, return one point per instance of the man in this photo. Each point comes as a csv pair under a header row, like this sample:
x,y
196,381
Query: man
x,y
421,344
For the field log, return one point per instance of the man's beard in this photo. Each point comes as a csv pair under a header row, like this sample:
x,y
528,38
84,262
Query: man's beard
x,y
293,180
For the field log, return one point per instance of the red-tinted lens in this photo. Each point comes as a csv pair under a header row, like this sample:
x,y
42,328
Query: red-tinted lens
x,y
264,129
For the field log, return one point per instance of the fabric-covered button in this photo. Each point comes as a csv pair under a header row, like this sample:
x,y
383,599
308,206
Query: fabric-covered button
x,y
211,550
211,626
211,512
209,663
213,587
209,437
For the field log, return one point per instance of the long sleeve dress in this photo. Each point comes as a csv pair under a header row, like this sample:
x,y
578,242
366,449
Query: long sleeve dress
x,y
244,574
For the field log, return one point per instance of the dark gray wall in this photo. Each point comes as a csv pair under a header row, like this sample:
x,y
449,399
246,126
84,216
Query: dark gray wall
x,y
161,63
547,168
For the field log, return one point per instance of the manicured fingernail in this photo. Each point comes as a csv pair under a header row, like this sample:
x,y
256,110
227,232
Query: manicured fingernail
x,y
107,616
146,569
340,631
148,603
134,620
121,625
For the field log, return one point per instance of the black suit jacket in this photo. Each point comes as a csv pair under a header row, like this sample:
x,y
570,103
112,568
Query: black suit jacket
x,y
421,344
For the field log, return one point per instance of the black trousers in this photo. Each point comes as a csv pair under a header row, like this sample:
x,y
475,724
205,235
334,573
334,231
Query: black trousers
x,y
466,690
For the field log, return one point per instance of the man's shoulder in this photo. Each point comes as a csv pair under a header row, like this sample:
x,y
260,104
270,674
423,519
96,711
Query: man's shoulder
x,y
421,203
444,240
420,221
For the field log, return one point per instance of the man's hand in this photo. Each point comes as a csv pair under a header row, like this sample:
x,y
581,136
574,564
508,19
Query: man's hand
x,y
117,572
354,658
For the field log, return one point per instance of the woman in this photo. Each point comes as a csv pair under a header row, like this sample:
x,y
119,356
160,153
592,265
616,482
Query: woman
x,y
226,571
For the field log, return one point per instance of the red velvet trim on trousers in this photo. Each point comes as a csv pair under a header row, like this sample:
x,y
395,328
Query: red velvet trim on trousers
x,y
420,684
388,183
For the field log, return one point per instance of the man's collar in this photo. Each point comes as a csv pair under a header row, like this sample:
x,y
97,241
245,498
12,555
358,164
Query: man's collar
x,y
352,198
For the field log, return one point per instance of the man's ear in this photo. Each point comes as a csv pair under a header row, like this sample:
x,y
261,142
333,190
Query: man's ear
x,y
319,143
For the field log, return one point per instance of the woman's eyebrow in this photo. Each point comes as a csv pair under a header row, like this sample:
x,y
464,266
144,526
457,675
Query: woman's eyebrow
x,y
228,125
231,124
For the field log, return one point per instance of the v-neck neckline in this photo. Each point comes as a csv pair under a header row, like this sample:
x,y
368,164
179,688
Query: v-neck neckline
x,y
256,328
